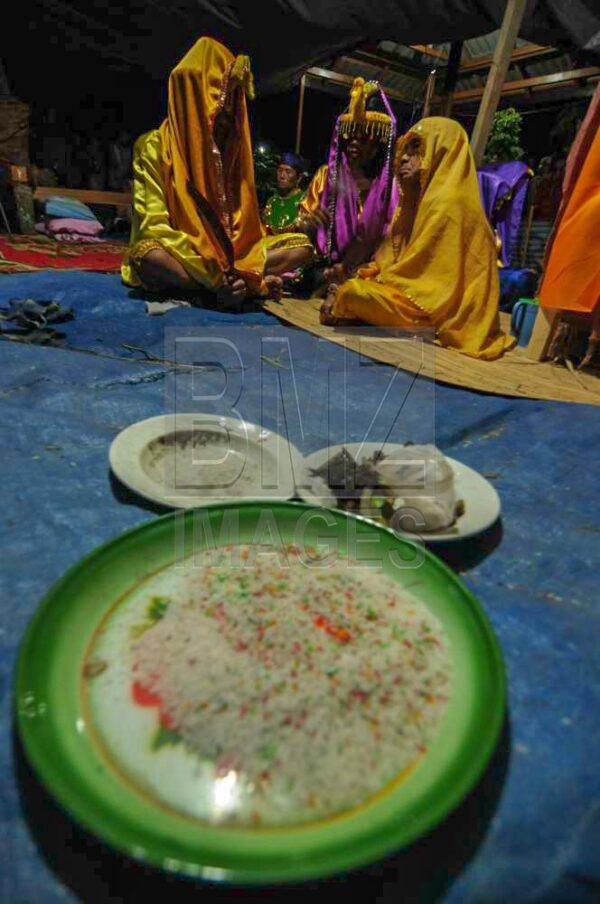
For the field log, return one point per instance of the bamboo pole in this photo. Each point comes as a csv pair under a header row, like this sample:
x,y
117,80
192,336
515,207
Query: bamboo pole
x,y
300,114
429,89
513,16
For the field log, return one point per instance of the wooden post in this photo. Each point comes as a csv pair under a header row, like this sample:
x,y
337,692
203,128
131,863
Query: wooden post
x,y
513,16
300,114
451,77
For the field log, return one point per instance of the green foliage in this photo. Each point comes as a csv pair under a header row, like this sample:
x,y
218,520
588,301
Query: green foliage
x,y
266,158
504,141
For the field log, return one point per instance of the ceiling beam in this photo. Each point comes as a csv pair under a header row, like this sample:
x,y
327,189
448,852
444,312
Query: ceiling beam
x,y
418,80
526,103
383,60
371,53
525,52
338,78
540,82
429,51
553,98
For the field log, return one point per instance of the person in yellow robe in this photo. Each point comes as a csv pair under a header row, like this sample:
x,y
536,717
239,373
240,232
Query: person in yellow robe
x,y
196,222
436,268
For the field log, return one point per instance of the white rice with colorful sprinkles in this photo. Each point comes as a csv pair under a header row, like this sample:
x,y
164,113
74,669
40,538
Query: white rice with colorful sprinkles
x,y
301,691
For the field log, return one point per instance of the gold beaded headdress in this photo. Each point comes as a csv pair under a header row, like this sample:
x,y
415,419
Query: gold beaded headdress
x,y
360,121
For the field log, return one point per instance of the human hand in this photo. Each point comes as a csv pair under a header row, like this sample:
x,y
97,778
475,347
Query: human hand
x,y
311,222
234,290
274,286
335,274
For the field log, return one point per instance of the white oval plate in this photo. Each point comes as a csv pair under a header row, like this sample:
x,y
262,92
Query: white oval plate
x,y
187,460
482,503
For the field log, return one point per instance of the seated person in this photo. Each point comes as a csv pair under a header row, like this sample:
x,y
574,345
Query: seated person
x,y
196,221
437,266
281,210
350,201
503,188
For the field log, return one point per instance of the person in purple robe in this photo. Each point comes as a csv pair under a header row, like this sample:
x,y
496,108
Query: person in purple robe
x,y
350,202
503,188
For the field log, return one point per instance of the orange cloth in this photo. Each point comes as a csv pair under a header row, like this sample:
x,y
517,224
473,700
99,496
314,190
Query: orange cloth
x,y
572,273
437,266
207,79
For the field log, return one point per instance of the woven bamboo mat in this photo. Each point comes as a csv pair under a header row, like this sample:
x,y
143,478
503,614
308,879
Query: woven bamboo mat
x,y
512,375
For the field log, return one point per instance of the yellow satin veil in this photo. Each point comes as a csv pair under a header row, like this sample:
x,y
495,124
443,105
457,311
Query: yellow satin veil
x,y
437,265
206,82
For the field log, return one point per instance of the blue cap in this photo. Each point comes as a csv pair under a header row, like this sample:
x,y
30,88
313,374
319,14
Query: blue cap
x,y
293,160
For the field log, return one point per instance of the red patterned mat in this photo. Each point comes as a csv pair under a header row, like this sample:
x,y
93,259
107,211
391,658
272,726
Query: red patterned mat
x,y
24,253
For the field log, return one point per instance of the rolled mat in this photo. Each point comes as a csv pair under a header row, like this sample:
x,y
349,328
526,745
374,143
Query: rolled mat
x,y
512,375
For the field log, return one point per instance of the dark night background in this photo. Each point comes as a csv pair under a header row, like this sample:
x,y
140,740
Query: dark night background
x,y
99,106
104,66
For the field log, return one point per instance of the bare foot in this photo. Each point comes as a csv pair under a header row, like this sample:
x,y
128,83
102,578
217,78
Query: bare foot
x,y
592,348
326,316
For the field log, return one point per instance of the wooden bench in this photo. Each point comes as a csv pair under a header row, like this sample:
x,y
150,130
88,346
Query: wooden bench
x,y
88,196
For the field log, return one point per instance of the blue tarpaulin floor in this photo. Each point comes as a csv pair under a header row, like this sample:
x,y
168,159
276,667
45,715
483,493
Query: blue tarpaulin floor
x,y
530,830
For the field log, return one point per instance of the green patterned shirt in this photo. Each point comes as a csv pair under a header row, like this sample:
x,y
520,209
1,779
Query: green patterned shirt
x,y
280,213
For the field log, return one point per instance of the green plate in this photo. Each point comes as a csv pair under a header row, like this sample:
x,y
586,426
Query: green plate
x,y
55,724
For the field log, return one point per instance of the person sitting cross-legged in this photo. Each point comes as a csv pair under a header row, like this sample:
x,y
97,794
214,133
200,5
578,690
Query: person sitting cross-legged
x,y
196,223
436,268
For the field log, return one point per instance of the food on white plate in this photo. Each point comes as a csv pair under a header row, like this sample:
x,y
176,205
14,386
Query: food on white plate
x,y
413,490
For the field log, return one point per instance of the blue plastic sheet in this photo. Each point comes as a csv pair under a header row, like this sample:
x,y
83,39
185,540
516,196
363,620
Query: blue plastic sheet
x,y
530,830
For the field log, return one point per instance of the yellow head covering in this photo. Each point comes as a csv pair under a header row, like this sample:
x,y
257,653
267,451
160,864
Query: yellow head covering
x,y
359,120
207,81
240,75
441,254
